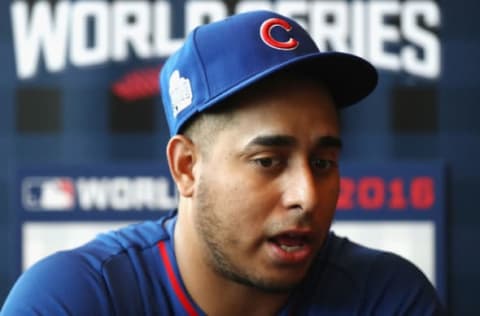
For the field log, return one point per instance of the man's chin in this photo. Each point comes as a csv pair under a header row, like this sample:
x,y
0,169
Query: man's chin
x,y
277,287
269,285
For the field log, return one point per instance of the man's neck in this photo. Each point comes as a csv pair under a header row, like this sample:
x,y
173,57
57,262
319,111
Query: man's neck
x,y
214,293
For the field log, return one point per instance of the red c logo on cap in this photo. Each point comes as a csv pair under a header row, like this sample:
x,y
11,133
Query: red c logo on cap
x,y
266,34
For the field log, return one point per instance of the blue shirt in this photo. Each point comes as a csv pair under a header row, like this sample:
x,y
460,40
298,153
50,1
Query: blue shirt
x,y
133,271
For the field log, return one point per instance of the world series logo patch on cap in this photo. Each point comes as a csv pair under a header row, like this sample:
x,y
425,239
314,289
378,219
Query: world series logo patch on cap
x,y
180,92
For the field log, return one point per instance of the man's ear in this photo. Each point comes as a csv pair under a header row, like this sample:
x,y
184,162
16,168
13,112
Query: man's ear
x,y
182,156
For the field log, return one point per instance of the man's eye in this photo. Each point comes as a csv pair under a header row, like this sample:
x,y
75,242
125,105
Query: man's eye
x,y
323,164
267,162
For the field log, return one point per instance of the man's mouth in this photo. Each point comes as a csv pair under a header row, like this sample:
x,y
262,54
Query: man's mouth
x,y
290,242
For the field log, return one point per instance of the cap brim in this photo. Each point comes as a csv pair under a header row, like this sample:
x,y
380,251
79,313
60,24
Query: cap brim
x,y
348,77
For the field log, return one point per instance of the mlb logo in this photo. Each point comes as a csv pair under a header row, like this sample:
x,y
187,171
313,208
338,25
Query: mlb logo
x,y
48,193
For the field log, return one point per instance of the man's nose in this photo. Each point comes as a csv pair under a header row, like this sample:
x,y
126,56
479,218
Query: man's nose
x,y
301,188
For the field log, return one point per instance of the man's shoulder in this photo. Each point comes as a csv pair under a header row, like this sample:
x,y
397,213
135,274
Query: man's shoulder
x,y
89,278
344,263
128,240
370,281
134,236
357,260
128,243
367,265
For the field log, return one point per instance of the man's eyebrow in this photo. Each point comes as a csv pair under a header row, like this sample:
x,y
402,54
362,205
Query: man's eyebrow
x,y
290,141
329,141
273,141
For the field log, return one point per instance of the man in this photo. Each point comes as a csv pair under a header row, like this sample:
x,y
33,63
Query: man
x,y
252,110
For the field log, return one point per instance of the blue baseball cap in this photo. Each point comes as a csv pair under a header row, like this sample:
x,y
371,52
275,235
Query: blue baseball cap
x,y
222,58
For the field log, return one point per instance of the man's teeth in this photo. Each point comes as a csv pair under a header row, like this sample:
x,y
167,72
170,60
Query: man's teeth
x,y
291,248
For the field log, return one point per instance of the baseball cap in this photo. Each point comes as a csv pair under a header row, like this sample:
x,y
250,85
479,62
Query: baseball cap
x,y
220,59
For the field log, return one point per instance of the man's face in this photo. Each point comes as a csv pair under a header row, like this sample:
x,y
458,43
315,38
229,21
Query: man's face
x,y
267,189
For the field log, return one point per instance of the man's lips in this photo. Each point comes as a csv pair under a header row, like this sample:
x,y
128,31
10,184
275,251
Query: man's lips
x,y
291,239
292,235
291,246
